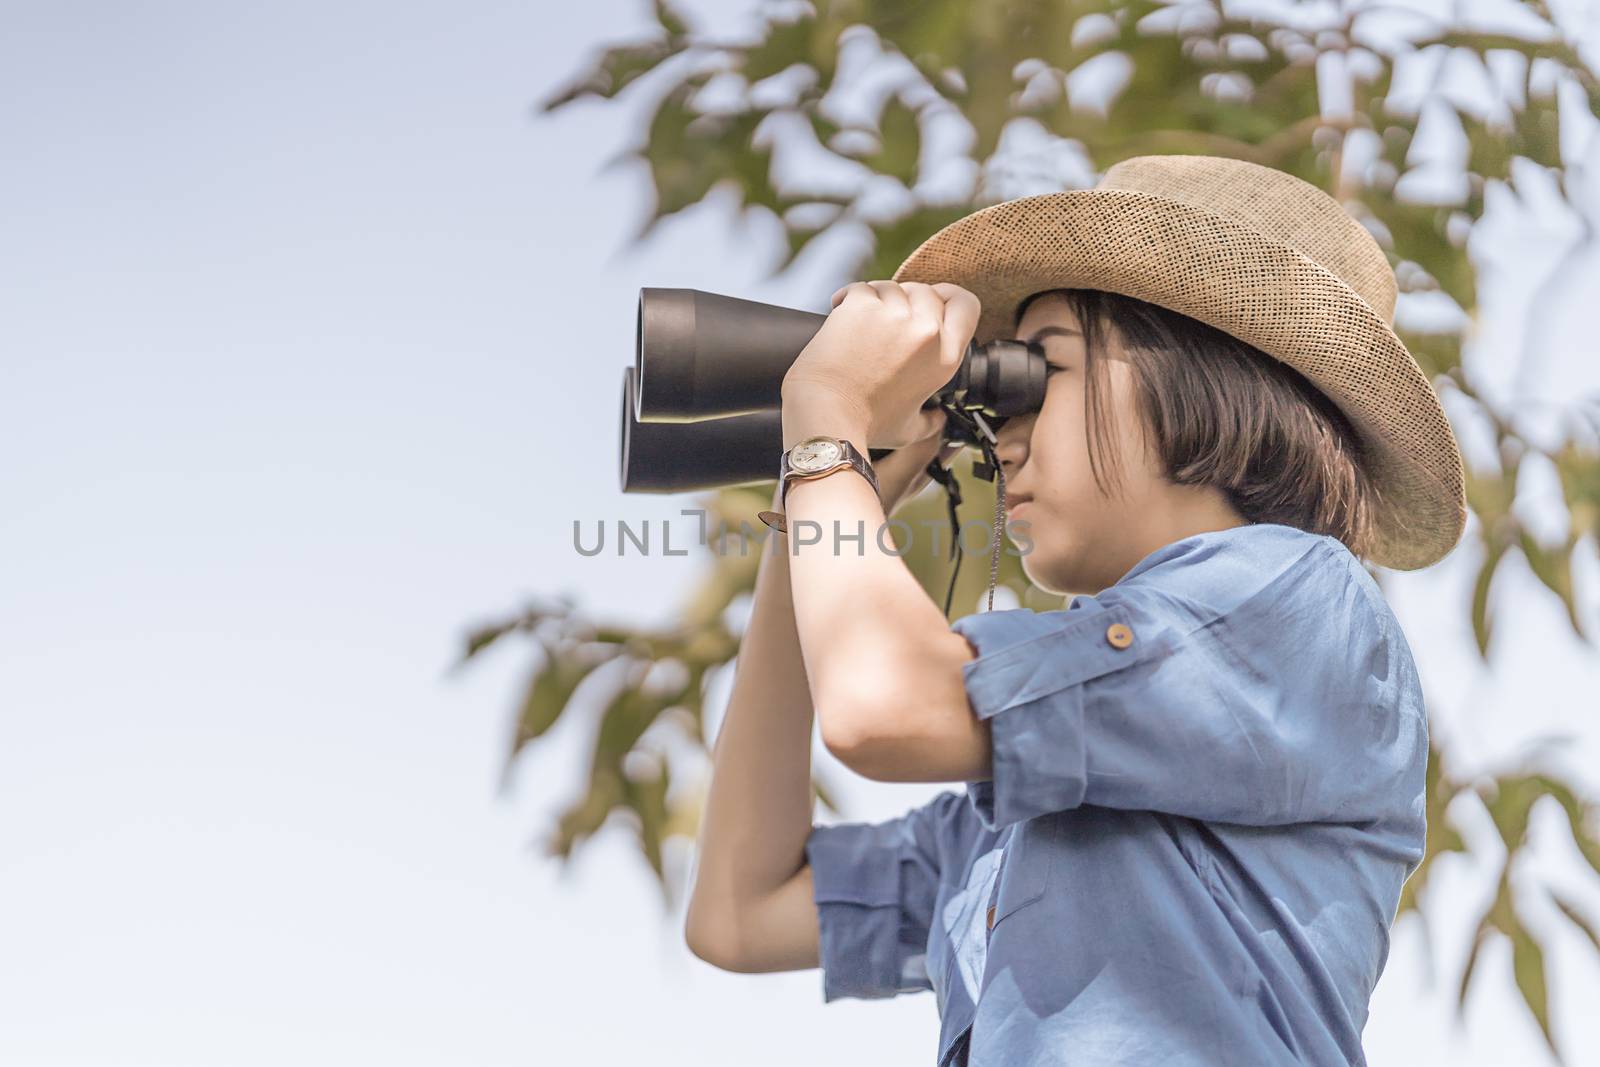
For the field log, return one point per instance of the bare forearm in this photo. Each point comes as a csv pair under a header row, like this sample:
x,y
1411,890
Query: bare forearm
x,y
885,667
758,809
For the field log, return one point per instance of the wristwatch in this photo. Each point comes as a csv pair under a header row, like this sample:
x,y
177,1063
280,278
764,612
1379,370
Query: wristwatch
x,y
816,457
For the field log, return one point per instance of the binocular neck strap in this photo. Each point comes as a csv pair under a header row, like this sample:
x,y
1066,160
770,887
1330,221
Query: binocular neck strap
x,y
989,470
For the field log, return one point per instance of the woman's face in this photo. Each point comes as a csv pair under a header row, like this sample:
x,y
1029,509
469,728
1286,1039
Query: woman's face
x,y
1084,540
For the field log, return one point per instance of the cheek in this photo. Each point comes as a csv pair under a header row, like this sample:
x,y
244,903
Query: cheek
x,y
1060,449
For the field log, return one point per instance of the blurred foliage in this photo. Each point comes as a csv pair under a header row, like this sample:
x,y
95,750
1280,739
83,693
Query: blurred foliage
x,y
1508,801
1309,90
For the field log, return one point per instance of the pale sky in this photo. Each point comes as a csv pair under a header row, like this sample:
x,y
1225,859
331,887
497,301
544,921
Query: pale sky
x,y
311,337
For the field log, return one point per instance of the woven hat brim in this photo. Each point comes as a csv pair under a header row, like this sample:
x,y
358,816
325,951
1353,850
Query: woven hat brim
x,y
1260,290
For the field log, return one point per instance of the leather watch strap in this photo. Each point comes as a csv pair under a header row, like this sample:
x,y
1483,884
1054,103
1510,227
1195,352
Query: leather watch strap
x,y
852,460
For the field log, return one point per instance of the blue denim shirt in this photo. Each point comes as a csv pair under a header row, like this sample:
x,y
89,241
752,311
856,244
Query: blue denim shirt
x,y
1207,790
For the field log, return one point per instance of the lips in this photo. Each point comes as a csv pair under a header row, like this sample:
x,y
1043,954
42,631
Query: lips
x,y
1015,502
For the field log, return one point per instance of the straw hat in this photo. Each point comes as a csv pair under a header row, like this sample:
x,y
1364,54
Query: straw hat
x,y
1259,254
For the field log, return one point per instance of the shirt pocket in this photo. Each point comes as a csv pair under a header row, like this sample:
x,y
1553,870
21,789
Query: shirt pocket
x,y
1031,850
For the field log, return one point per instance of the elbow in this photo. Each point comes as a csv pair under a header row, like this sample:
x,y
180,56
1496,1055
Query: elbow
x,y
883,721
843,709
706,949
841,736
863,743
712,945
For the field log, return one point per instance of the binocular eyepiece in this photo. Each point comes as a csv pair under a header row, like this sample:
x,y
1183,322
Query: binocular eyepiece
x,y
701,403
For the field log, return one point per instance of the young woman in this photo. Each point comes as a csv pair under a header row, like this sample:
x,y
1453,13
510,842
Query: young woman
x,y
1191,796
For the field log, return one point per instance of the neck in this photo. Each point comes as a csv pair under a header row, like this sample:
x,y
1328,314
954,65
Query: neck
x,y
1181,511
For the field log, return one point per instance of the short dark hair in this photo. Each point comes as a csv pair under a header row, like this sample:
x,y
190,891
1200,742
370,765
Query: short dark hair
x,y
1220,412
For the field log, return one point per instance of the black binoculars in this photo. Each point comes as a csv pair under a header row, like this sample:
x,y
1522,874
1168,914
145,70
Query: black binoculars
x,y
701,403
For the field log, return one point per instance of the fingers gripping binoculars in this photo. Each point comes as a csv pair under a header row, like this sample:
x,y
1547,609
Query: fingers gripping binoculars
x,y
701,403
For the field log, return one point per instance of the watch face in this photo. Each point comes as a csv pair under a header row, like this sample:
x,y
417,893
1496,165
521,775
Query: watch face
x,y
814,456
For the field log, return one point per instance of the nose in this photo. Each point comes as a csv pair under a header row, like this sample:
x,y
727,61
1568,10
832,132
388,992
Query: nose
x,y
1011,442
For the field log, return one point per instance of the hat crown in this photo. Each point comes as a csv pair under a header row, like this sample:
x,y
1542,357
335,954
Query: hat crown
x,y
1281,206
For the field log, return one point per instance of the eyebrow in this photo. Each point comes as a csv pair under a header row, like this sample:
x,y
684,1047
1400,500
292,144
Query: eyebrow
x,y
1046,331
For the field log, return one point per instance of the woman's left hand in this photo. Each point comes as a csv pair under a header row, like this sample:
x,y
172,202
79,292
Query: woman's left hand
x,y
903,473
882,352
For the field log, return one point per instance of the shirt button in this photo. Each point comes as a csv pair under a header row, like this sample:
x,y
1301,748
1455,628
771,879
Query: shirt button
x,y
1118,635
991,916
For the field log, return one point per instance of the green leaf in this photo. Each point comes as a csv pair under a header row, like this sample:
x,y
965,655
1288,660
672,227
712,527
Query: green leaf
x,y
1484,929
1527,964
616,69
691,153
1579,470
898,239
1480,597
785,44
1420,235
1553,568
1439,792
1581,819
1435,353
481,638
900,142
1570,909
1510,800
626,718
646,797
670,20
548,692
584,817
936,31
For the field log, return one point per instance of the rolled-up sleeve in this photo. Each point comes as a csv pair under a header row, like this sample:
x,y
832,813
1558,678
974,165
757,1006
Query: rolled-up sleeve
x,y
875,885
1272,704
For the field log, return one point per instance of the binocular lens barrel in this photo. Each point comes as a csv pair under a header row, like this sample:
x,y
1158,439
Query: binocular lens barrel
x,y
701,403
701,355
678,457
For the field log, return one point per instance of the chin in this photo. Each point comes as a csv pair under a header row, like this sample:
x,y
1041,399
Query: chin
x,y
1043,572
1056,586
1050,572
1048,561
